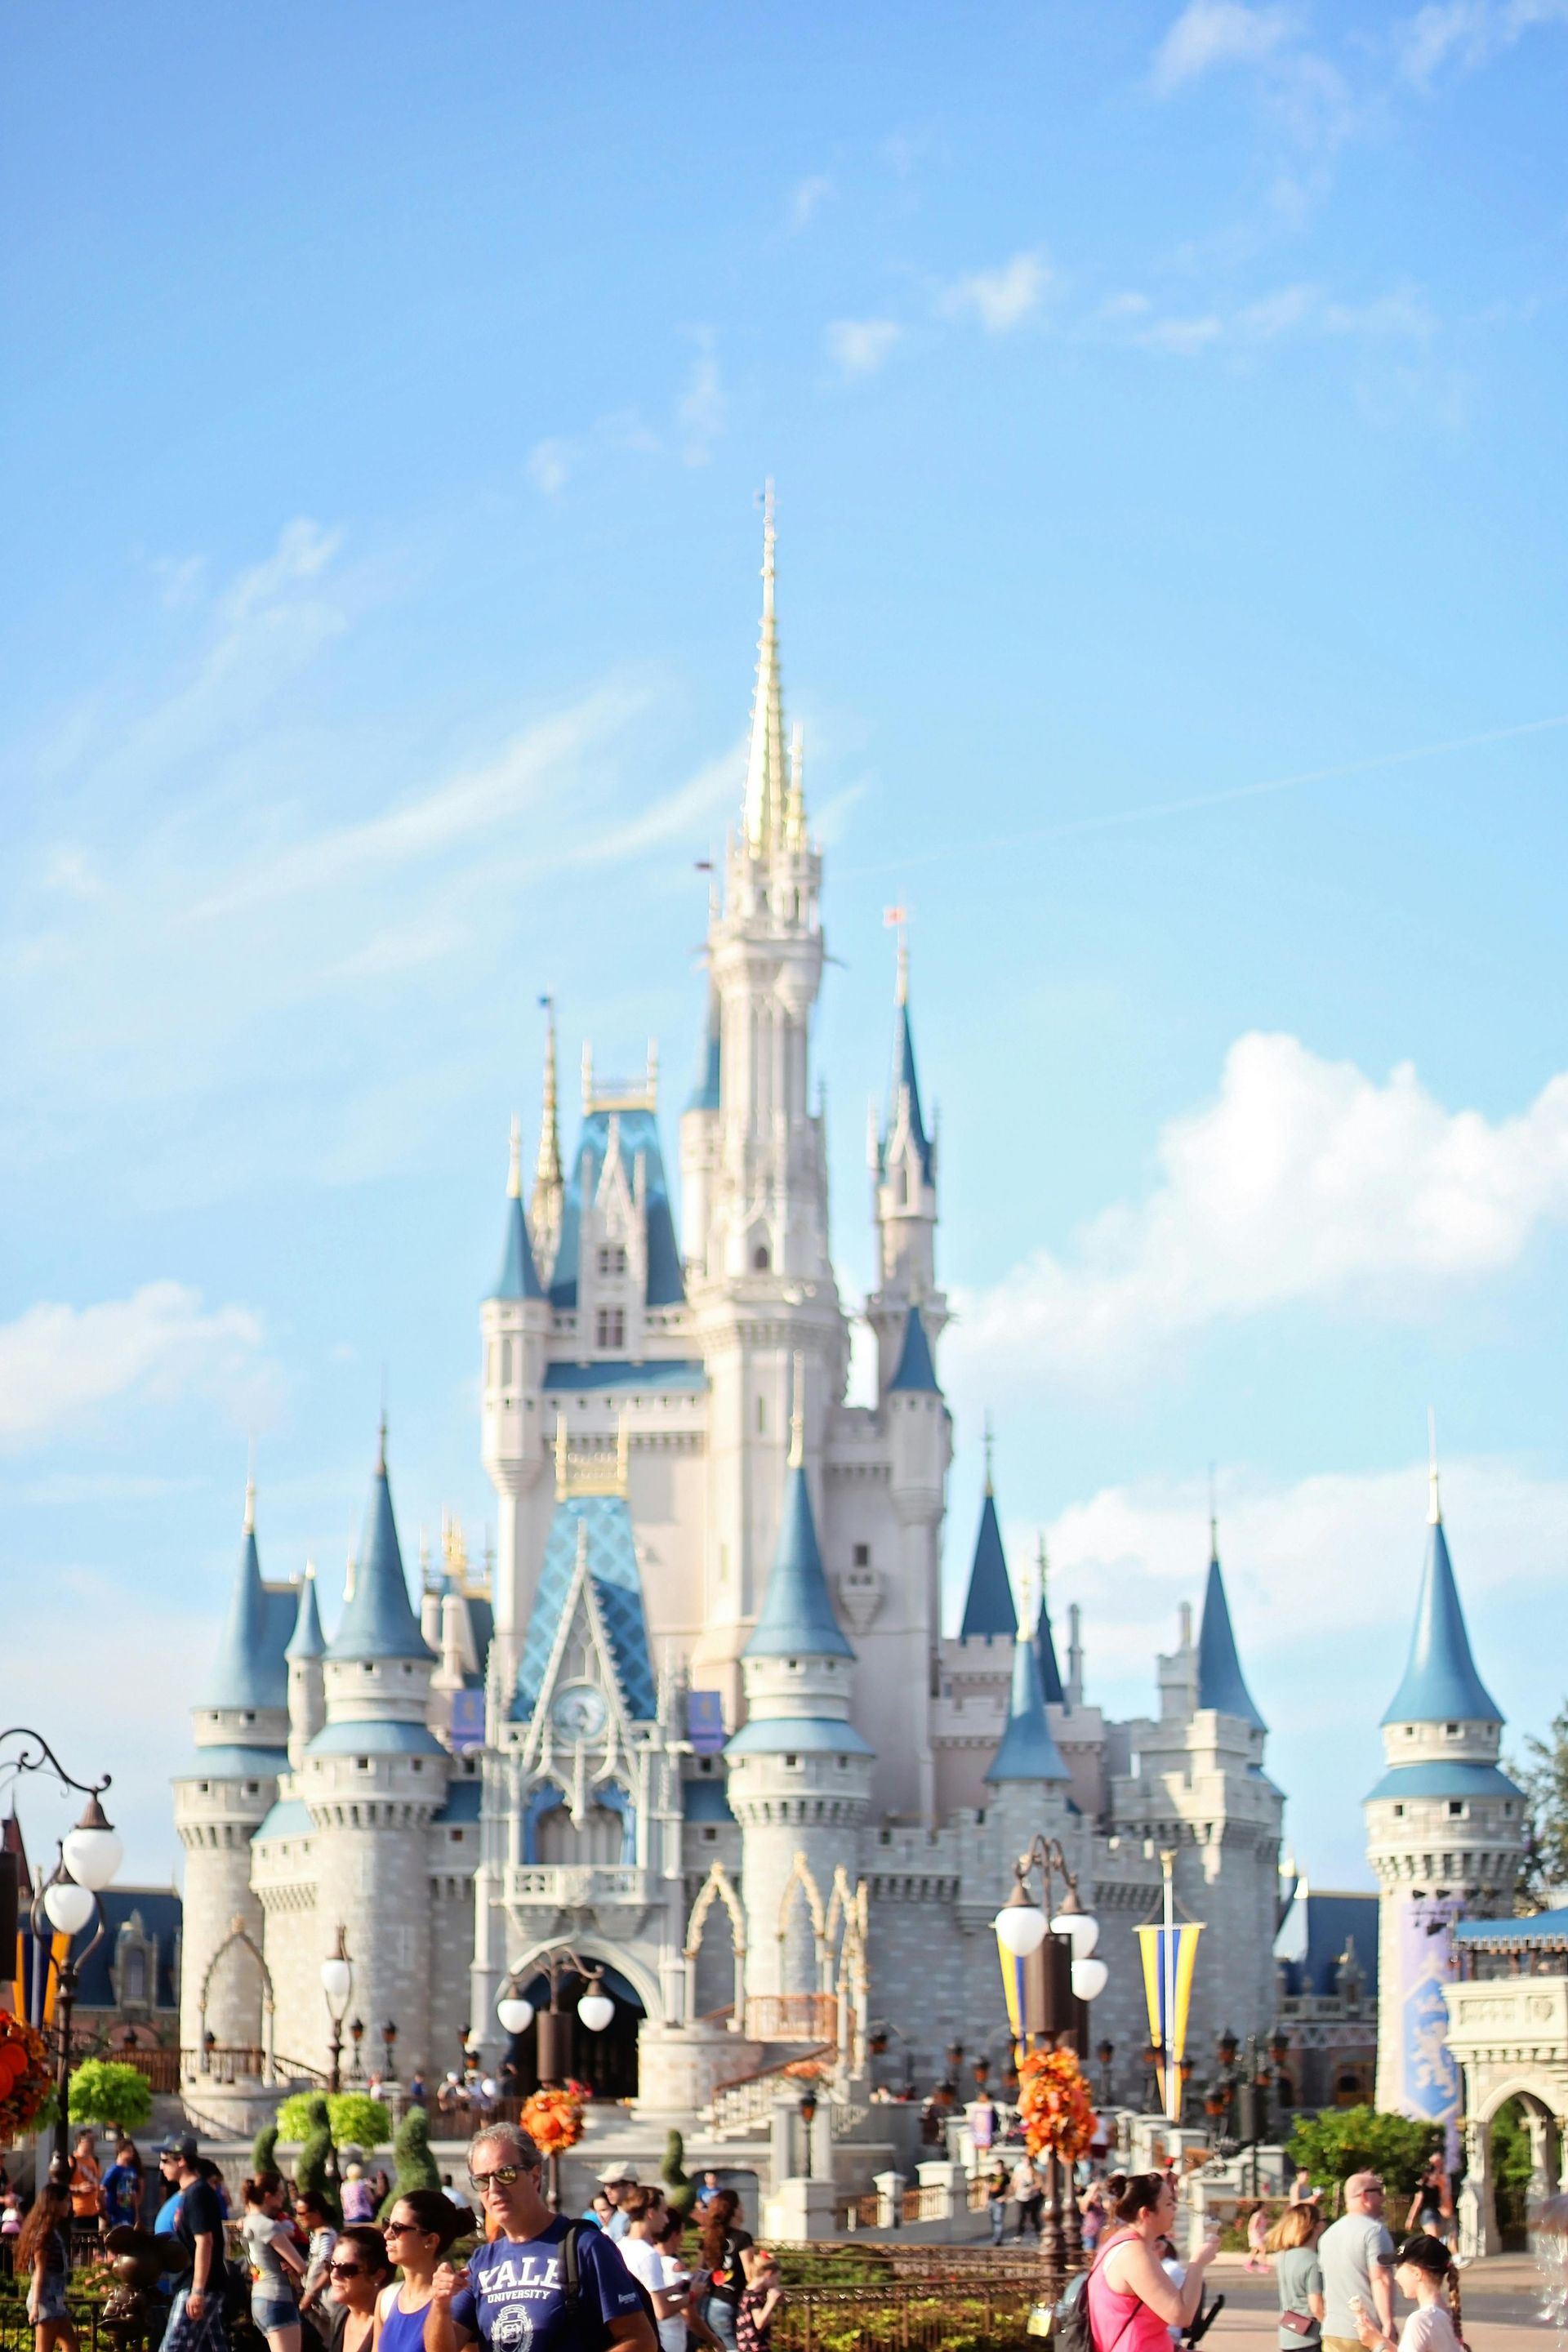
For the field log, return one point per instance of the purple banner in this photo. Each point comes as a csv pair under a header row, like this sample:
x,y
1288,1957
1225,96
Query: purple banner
x,y
1429,2084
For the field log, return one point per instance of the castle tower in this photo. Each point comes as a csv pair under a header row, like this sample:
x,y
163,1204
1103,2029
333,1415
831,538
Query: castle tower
x,y
903,1186
800,1773
1445,1831
548,1203
699,1143
241,1730
514,1325
976,1665
372,1778
307,1687
900,1711
766,1288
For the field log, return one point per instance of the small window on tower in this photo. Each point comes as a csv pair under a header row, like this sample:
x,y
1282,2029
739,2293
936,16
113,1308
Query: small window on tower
x,y
1455,1808
1451,1730
759,1258
791,1763
862,1555
1399,1813
710,1837
611,1259
611,1327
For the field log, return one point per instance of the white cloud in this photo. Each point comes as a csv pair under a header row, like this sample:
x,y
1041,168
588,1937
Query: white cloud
x,y
59,1365
858,347
1465,33
1302,1181
1302,311
700,411
1210,33
1001,299
807,199
1184,337
549,465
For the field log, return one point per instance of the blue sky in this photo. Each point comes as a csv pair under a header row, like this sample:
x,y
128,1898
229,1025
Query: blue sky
x,y
1165,408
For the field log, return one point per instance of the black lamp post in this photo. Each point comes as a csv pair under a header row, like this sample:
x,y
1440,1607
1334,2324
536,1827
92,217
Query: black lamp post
x,y
356,2035
337,1987
516,2013
1105,2052
90,1854
807,2114
389,2043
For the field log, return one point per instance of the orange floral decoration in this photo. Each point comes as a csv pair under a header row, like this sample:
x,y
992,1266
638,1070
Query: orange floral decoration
x,y
26,2080
1057,2111
553,2119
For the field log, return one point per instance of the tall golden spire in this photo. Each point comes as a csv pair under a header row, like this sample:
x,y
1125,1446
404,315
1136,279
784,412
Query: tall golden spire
x,y
549,1188
767,806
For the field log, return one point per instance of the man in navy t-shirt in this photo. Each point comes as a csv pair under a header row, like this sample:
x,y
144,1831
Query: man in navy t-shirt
x,y
513,2297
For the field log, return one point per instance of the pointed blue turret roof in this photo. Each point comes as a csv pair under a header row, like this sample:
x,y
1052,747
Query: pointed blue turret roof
x,y
306,1641
1052,1687
378,1619
915,1372
1221,1683
1026,1751
1440,1685
798,1619
988,1605
704,1094
519,1276
248,1671
905,1079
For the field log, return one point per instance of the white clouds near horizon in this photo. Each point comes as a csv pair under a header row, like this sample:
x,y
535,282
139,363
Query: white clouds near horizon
x,y
61,1365
1002,298
1302,1181
1211,33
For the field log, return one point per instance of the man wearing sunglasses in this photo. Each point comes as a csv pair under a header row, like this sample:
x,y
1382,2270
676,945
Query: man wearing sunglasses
x,y
527,2289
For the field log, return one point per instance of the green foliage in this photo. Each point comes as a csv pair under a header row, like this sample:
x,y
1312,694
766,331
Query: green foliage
x,y
680,2194
415,2166
1543,1776
349,2117
264,2150
103,2090
305,2116
1343,2140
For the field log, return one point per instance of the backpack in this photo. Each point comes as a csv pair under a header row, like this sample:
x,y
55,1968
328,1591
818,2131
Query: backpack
x,y
1067,2321
572,2280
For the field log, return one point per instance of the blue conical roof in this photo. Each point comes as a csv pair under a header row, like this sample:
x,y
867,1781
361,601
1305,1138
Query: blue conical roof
x,y
1440,1685
915,1372
378,1620
1026,1751
796,1619
519,1276
307,1640
905,1079
1221,1683
248,1671
988,1606
1051,1685
704,1094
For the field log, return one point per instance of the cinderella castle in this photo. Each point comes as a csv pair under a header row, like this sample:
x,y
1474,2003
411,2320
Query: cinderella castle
x,y
699,1722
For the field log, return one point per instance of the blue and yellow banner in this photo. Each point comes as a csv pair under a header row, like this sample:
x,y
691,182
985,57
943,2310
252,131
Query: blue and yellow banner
x,y
1013,1969
1170,1955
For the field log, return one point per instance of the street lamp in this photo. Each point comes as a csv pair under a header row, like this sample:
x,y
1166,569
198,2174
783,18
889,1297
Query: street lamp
x,y
89,1855
807,2111
1059,1940
389,2043
356,2035
337,1985
515,2013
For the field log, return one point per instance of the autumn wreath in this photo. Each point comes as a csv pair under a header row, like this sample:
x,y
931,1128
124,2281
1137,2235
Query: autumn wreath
x,y
25,2078
553,2119
1053,2103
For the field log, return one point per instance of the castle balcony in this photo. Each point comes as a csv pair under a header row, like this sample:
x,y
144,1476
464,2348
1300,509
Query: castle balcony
x,y
578,1886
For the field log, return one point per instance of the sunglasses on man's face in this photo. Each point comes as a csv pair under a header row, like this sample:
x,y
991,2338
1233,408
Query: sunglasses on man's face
x,y
502,2178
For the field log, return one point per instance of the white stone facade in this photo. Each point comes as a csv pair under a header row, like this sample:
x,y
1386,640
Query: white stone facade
x,y
637,1392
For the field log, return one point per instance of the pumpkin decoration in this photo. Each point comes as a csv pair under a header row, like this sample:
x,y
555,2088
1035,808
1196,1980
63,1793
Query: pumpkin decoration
x,y
1054,2105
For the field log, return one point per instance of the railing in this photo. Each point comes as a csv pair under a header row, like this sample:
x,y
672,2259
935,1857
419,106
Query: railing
x,y
228,2065
161,2067
747,2102
931,2202
576,1885
908,2315
792,2017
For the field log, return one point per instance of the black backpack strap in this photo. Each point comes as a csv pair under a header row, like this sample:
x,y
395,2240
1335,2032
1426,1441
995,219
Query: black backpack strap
x,y
571,2267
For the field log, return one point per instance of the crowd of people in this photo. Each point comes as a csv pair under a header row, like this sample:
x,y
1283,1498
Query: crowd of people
x,y
376,2274
1337,2281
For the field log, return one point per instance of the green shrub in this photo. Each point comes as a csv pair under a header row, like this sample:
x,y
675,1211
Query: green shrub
x,y
350,2116
415,2166
103,2090
680,2194
1343,2140
312,2126
264,2150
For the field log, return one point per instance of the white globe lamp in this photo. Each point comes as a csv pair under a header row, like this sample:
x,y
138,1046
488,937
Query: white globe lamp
x,y
596,2011
1088,1980
92,1851
69,1906
1081,1930
1020,1929
515,2014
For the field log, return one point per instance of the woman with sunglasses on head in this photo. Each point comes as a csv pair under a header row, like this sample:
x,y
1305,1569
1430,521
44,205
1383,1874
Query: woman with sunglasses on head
x,y
519,2286
423,2224
358,2271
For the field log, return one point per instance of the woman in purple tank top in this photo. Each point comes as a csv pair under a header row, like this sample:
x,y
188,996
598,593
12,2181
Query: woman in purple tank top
x,y
423,2223
1133,2303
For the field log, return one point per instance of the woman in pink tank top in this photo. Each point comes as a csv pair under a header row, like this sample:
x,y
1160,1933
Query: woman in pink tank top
x,y
1131,2301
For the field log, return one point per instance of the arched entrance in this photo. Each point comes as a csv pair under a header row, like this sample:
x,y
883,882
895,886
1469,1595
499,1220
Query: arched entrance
x,y
1524,2161
606,2061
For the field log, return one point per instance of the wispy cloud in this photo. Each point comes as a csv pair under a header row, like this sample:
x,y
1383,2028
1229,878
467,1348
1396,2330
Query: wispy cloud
x,y
1461,34
807,198
702,409
1002,298
1302,1182
1211,33
1300,311
549,465
859,347
61,1365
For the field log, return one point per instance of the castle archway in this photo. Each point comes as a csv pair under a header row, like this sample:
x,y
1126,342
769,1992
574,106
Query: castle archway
x,y
606,2061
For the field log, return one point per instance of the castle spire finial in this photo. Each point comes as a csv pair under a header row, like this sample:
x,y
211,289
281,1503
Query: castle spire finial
x,y
1434,1499
989,1487
547,1174
249,1527
767,778
797,1415
514,1165
1042,1567
1213,1515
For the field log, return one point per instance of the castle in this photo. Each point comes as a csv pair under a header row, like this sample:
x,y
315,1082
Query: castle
x,y
701,1722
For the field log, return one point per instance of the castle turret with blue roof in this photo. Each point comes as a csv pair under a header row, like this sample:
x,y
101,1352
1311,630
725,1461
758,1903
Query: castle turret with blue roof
x,y
800,1773
1446,1832
514,1330
240,1725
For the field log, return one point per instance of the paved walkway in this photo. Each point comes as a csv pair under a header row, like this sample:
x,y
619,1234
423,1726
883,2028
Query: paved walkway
x,y
1501,2307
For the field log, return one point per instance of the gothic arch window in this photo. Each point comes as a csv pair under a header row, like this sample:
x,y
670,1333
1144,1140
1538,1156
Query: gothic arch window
x,y
759,1258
